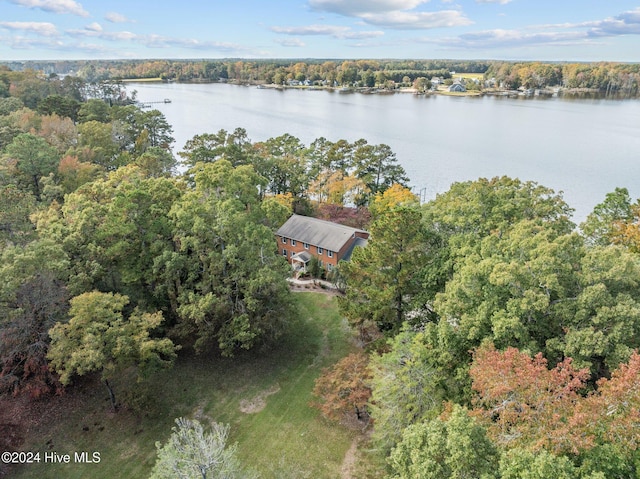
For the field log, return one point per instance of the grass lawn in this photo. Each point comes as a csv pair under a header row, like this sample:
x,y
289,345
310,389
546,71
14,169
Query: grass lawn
x,y
463,93
470,76
263,395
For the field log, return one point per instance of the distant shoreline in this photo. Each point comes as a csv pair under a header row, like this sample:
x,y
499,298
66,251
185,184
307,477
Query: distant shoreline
x,y
588,93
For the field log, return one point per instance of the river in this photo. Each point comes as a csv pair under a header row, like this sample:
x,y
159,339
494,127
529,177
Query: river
x,y
582,147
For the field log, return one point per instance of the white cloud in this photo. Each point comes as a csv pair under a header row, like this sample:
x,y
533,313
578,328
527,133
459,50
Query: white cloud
x,y
627,23
395,14
24,43
310,30
328,30
115,17
357,7
54,6
29,43
418,20
94,27
362,35
95,31
502,38
44,29
586,33
290,42
501,2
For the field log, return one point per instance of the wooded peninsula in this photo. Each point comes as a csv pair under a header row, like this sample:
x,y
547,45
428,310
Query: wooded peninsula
x,y
151,323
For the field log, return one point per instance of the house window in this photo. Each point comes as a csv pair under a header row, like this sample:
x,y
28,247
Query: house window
x,y
306,245
284,253
329,267
319,250
284,240
330,254
293,242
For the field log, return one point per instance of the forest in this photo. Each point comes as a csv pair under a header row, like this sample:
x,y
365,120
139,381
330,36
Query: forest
x,y
608,78
494,337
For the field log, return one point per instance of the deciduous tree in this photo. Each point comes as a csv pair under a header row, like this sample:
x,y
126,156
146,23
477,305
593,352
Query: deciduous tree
x,y
524,464
600,227
15,207
115,229
406,387
523,403
453,448
102,148
226,276
344,389
533,289
33,298
98,338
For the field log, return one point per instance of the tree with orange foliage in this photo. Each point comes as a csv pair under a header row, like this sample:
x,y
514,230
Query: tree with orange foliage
x,y
627,231
395,195
74,173
611,414
345,388
335,187
527,407
523,403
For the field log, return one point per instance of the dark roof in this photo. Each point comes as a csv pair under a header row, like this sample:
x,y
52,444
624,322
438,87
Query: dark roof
x,y
302,256
327,235
358,242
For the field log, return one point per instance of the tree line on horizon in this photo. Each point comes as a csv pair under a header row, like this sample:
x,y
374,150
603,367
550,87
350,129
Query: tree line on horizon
x,y
609,78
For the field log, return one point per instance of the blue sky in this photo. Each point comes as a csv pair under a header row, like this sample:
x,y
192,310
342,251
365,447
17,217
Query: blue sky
x,y
578,30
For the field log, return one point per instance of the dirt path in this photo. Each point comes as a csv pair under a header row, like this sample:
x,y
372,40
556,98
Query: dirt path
x,y
349,462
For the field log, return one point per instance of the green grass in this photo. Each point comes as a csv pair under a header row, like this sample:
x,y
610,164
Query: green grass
x,y
455,93
285,439
470,76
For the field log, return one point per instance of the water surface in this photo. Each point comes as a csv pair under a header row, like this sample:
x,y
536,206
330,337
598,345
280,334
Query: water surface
x,y
583,147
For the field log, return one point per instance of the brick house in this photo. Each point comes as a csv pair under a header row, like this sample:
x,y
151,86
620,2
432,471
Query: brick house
x,y
302,237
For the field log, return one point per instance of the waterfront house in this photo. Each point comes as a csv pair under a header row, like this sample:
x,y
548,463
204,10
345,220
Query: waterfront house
x,y
301,237
457,87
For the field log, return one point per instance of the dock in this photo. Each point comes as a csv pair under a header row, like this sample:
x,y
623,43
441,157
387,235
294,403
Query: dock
x,y
147,104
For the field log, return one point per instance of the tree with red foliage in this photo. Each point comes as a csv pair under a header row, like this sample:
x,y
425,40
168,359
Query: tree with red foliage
x,y
344,215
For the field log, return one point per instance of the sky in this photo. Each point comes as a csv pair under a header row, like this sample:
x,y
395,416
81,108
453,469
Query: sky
x,y
546,30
